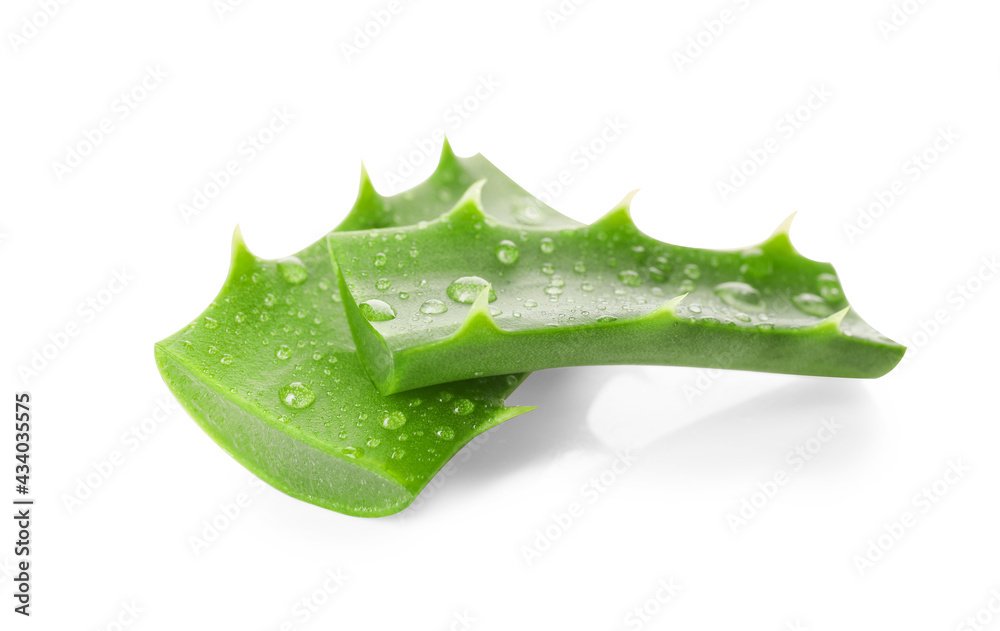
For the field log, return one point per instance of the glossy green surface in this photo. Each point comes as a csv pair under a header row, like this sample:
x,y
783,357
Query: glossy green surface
x,y
269,371
490,294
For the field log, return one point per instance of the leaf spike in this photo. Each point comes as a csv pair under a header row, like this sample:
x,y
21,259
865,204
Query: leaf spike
x,y
241,254
619,216
667,310
780,239
479,319
470,206
831,323
510,411
448,159
366,189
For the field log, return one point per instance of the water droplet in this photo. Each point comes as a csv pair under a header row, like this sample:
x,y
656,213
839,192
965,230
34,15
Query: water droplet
x,y
381,259
494,311
739,295
397,454
607,319
507,252
403,295
292,270
630,278
373,442
211,323
353,452
548,268
765,325
297,395
694,308
528,214
394,420
382,284
433,307
530,304
269,300
376,310
580,267
692,271
226,359
463,407
283,352
445,433
829,288
687,285
467,288
742,317
657,274
548,247
553,290
813,305
587,286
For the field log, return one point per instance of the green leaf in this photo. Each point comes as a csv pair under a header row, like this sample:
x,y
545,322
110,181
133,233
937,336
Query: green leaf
x,y
269,371
490,295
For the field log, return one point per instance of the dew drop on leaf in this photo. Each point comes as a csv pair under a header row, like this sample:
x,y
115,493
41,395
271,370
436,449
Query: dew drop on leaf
x,y
829,288
630,278
692,271
292,270
433,307
394,420
507,252
297,395
739,295
376,310
467,288
463,407
813,305
353,452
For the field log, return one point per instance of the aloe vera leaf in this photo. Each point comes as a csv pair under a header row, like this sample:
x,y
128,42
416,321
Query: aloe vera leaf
x,y
334,440
490,297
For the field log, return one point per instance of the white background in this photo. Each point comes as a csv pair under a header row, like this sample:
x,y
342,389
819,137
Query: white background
x,y
699,443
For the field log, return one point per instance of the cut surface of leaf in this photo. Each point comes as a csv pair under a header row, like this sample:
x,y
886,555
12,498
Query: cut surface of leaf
x,y
270,372
488,295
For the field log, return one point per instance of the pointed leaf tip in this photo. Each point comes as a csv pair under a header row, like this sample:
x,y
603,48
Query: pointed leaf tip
x,y
481,305
479,318
366,187
619,216
470,205
780,239
785,227
238,241
241,254
448,158
667,310
832,322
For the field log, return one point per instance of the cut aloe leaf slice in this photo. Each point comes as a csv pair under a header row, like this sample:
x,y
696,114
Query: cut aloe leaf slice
x,y
269,371
490,295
